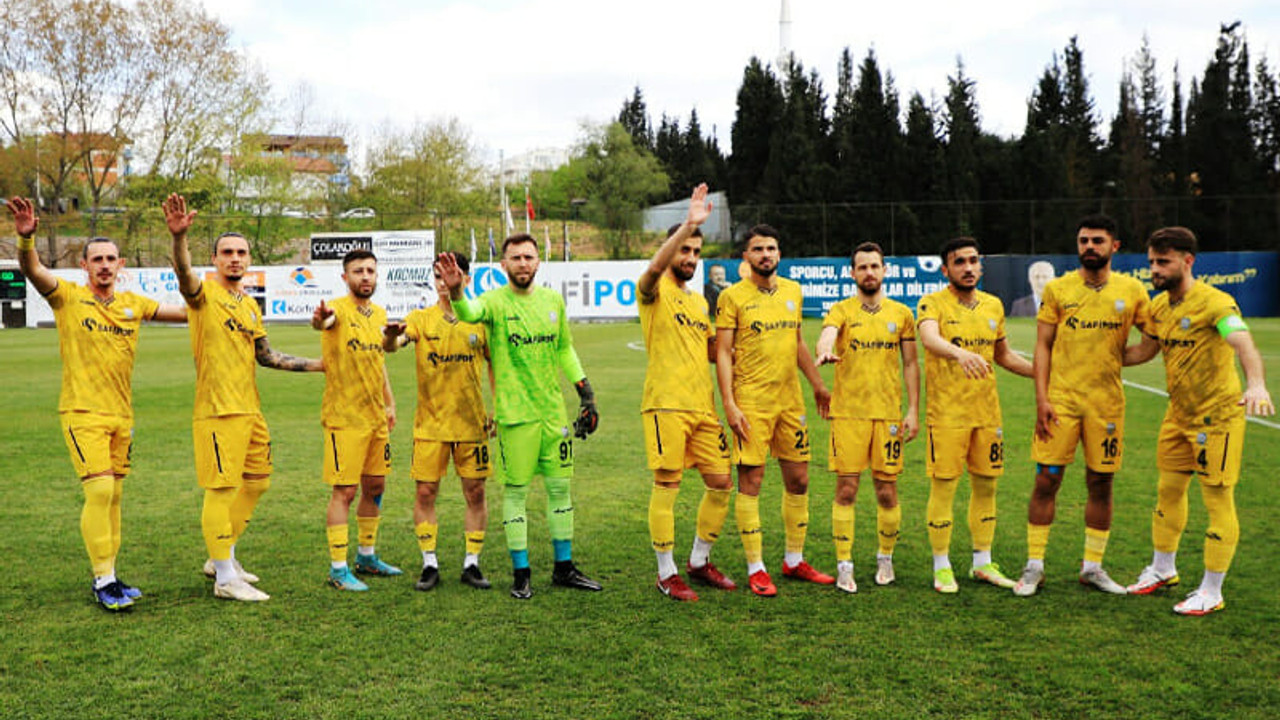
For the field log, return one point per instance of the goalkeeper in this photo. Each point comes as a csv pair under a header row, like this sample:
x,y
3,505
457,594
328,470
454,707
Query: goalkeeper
x,y
529,342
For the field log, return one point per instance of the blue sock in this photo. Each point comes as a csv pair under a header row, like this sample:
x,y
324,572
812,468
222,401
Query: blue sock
x,y
563,550
520,559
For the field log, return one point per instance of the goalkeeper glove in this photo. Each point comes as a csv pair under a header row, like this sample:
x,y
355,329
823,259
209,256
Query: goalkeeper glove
x,y
588,416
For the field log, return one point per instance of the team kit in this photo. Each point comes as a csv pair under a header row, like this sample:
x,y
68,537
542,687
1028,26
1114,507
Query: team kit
x,y
516,339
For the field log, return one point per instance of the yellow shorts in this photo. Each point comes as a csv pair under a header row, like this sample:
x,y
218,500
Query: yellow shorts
x,y
784,434
1214,452
230,446
99,444
350,454
1102,437
951,450
431,460
857,444
676,440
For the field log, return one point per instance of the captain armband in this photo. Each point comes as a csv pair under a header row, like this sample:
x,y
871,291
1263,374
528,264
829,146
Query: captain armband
x,y
1231,323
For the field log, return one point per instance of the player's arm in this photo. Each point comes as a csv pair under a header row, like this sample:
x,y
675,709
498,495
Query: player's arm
x,y
389,399
699,211
1256,400
179,222
323,318
1046,416
170,313
825,350
974,365
394,336
25,224
1142,351
733,415
1006,358
821,395
270,358
911,375
472,311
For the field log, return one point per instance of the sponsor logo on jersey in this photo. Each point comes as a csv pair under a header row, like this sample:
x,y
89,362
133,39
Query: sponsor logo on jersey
x,y
1077,324
760,327
520,339
94,326
685,321
355,345
438,359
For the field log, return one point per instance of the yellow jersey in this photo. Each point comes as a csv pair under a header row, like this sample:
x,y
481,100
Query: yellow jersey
x,y
953,399
869,342
450,358
224,327
353,367
767,325
1199,365
676,330
1088,350
98,341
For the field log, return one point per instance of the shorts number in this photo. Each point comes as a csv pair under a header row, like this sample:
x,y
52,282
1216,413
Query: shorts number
x,y
481,455
893,449
724,442
386,452
1111,447
1202,459
997,452
566,450
802,439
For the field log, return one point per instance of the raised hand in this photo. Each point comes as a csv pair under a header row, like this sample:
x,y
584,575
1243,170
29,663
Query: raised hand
x,y
699,208
447,269
176,215
25,221
323,316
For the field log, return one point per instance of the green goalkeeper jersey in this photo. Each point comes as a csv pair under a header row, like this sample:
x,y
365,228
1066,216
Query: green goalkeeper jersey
x,y
529,343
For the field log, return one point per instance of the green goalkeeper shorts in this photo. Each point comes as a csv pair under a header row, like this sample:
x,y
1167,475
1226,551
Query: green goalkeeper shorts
x,y
534,448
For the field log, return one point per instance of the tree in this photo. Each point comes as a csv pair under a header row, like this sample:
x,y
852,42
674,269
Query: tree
x,y
760,104
1079,125
634,118
961,123
620,180
798,170
431,167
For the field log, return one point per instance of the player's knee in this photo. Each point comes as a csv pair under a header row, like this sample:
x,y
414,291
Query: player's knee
x,y
427,491
373,485
473,492
257,484
887,495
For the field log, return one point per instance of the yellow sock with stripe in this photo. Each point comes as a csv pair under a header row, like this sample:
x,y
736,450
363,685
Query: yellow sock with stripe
x,y
1223,533
982,511
747,514
95,524
338,543
712,512
241,509
215,522
367,529
795,519
662,518
474,542
842,523
1169,518
888,527
942,494
1095,544
1038,541
426,532
116,496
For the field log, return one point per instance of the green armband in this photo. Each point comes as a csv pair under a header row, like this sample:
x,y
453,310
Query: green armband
x,y
1230,324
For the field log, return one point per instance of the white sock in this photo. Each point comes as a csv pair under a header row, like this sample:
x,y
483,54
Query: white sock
x,y
754,567
666,565
226,571
844,565
1212,583
941,562
1088,565
792,559
471,560
981,558
701,553
1164,563
337,564
367,550
1035,564
104,580
429,559
882,556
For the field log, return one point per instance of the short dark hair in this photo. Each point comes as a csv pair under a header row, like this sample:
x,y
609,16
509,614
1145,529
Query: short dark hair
x,y
226,235
866,247
955,244
696,232
1098,221
84,251
463,263
1173,238
357,254
763,231
517,239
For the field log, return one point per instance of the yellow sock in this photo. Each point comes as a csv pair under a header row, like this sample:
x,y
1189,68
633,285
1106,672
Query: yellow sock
x,y
427,533
1169,518
795,520
747,513
215,522
888,526
1095,544
1038,540
246,499
942,494
842,520
367,527
116,496
1223,533
337,535
95,524
475,542
712,512
662,517
982,510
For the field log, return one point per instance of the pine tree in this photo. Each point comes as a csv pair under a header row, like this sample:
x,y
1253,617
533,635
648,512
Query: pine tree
x,y
634,118
760,106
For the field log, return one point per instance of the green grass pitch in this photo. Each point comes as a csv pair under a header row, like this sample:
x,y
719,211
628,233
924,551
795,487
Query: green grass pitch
x,y
812,652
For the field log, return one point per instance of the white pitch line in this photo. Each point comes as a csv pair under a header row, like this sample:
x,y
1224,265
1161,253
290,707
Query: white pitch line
x,y
635,345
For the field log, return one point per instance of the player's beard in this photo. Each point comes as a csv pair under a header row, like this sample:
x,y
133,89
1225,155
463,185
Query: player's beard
x,y
1092,261
364,293
522,284
870,286
682,274
764,272
1168,281
234,278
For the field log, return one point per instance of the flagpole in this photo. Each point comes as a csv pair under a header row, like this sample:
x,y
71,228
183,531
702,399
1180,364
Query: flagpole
x,y
528,205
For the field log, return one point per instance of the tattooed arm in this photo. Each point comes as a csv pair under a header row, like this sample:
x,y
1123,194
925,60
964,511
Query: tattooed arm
x,y
280,361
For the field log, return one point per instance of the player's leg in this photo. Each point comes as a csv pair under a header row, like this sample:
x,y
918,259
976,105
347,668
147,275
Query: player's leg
x,y
1051,457
555,464
518,449
471,460
257,480
665,437
1222,453
1103,453
89,443
749,457
790,444
708,450
221,448
886,465
373,483
944,462
1175,462
986,464
337,532
847,455
429,463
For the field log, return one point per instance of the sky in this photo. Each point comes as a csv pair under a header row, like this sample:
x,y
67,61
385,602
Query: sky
x,y
526,74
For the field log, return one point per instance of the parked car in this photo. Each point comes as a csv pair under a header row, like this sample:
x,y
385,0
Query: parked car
x,y
360,212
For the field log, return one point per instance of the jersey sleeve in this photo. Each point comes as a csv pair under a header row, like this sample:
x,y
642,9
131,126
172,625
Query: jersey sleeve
x,y
196,301
1049,312
57,297
726,311
928,310
570,365
411,323
835,316
997,309
148,306
908,331
472,311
